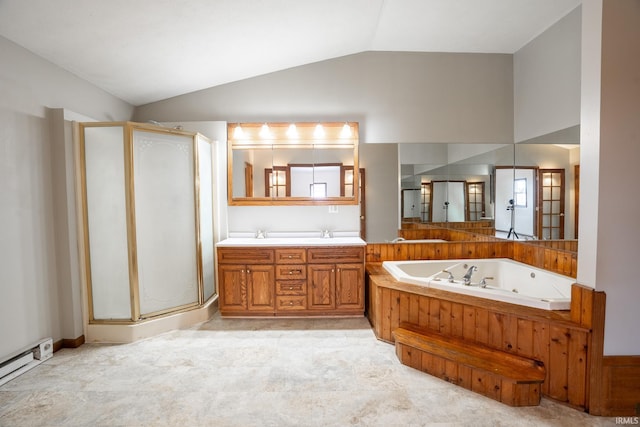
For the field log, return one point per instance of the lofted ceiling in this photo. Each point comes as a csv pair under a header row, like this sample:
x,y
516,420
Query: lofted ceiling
x,y
147,50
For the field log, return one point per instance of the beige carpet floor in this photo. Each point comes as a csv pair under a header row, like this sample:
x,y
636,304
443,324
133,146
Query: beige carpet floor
x,y
255,372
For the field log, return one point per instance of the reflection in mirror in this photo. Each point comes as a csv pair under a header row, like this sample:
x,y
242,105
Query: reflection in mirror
x,y
302,163
528,191
553,171
455,182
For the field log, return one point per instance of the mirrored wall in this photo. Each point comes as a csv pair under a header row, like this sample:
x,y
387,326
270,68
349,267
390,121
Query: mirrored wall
x,y
528,191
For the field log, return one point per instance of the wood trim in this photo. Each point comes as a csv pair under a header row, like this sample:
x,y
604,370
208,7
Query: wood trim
x,y
68,343
595,404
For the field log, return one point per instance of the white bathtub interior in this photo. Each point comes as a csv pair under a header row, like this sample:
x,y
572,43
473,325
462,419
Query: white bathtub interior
x,y
506,280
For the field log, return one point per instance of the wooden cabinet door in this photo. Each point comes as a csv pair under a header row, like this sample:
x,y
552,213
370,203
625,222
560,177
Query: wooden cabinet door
x,y
233,287
322,285
260,287
349,290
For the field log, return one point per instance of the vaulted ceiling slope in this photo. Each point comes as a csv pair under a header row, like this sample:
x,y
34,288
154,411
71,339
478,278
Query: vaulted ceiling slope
x,y
148,50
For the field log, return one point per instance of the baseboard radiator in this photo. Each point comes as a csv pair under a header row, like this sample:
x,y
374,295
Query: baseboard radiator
x,y
26,359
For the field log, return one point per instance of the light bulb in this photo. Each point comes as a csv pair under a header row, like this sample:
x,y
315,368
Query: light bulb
x,y
292,132
318,132
238,133
265,132
346,131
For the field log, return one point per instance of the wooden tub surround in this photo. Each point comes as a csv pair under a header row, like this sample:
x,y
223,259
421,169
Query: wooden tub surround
x,y
548,337
570,344
505,377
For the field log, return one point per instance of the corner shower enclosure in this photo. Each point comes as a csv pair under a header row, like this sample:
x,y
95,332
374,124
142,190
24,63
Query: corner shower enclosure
x,y
146,195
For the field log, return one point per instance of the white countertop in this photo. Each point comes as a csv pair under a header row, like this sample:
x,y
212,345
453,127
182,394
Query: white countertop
x,y
292,241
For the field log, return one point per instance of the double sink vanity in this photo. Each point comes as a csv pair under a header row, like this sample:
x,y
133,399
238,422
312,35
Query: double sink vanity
x,y
291,276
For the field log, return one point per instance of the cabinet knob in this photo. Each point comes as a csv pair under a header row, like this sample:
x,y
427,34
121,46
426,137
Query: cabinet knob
x,y
290,288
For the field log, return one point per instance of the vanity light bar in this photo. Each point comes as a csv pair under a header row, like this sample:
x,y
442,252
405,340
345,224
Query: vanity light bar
x,y
331,133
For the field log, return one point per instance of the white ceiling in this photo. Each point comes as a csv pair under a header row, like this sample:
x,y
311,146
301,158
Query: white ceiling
x,y
147,50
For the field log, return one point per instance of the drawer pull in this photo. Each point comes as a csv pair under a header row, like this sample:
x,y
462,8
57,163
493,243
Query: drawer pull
x,y
290,288
295,271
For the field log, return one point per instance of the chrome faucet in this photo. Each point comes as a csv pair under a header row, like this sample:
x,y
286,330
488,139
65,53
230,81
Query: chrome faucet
x,y
483,282
468,274
397,239
450,279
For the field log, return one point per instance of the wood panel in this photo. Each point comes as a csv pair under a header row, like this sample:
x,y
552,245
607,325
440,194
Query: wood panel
x,y
378,252
561,346
505,377
621,391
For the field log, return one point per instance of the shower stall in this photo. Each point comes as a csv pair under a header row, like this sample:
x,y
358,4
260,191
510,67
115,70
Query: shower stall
x,y
146,196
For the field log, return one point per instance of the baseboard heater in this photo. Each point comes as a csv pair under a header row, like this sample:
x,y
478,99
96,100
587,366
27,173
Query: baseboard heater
x,y
25,359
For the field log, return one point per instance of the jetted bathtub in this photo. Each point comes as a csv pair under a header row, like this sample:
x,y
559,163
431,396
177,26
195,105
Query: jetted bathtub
x,y
511,281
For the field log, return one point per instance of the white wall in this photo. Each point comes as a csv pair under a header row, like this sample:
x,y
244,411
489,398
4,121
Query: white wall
x,y
395,96
547,80
609,234
382,179
35,281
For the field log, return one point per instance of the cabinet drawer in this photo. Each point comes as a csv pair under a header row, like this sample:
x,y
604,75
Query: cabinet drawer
x,y
291,272
335,254
291,256
245,256
284,303
291,287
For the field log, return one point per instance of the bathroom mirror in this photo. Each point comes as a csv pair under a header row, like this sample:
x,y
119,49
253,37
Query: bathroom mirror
x,y
452,182
553,176
292,163
443,183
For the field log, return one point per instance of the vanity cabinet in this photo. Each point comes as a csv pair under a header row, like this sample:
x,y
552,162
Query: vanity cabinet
x,y
291,281
335,275
246,280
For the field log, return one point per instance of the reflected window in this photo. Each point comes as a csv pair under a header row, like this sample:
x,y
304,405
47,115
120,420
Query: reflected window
x,y
520,192
318,189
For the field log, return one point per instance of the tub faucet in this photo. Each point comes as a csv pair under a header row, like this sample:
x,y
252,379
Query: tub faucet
x,y
450,279
468,274
397,239
483,282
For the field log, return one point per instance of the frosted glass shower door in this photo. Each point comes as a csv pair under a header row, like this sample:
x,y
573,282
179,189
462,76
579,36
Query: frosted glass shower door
x,y
104,177
165,220
205,171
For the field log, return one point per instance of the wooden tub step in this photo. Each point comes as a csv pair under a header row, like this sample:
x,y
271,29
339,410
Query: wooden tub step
x,y
505,377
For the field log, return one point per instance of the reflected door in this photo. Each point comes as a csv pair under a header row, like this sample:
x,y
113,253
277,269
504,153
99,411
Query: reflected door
x,y
426,202
551,203
475,201
410,204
